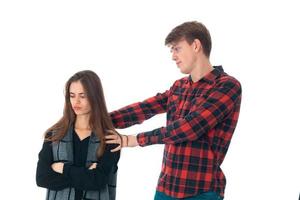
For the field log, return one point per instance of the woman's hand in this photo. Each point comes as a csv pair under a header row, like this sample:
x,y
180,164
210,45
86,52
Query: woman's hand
x,y
128,140
58,167
93,166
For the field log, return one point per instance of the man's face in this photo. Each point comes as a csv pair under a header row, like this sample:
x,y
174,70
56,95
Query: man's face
x,y
184,55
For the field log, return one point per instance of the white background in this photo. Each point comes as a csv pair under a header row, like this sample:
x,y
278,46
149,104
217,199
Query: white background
x,y
42,43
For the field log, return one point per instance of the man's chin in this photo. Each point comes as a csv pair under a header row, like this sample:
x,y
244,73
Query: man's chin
x,y
184,71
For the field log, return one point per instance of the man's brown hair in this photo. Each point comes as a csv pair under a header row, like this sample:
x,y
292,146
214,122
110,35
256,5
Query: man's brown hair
x,y
191,31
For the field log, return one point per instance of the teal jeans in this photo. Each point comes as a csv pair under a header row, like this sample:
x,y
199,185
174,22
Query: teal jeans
x,y
203,196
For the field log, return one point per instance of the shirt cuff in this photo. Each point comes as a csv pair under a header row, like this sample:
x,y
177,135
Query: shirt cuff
x,y
150,137
142,139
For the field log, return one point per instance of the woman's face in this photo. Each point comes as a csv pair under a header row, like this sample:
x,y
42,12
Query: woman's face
x,y
78,99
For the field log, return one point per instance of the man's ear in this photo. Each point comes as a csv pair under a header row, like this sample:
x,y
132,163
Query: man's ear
x,y
197,45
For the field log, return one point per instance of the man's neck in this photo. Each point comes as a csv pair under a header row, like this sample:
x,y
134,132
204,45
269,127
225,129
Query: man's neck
x,y
201,69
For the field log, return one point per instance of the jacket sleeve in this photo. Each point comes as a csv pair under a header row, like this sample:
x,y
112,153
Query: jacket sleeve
x,y
45,176
138,112
204,117
85,179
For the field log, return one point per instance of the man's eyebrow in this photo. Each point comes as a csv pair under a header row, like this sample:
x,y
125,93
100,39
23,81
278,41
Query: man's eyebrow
x,y
172,46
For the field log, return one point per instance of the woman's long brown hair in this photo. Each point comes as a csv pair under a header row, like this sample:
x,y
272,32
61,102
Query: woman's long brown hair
x,y
100,120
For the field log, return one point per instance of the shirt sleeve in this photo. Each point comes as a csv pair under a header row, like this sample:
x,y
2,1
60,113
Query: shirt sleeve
x,y
45,176
221,101
83,178
138,112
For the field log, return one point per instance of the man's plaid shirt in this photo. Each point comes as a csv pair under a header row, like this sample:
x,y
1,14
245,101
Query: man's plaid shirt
x,y
201,118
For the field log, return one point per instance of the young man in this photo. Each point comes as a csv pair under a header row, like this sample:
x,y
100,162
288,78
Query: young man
x,y
202,113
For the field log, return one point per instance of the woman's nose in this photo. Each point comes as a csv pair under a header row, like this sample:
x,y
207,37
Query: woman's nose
x,y
77,100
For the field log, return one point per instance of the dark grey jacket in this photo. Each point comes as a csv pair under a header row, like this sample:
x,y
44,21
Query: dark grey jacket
x,y
63,151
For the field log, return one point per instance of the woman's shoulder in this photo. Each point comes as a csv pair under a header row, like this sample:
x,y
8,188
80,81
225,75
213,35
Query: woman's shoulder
x,y
48,135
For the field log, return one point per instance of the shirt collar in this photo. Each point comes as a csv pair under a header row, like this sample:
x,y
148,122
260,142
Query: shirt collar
x,y
211,76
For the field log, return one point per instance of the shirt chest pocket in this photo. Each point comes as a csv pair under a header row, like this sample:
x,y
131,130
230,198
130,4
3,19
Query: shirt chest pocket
x,y
174,102
183,104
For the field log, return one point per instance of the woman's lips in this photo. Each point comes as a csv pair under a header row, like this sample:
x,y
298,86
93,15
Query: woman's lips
x,y
77,108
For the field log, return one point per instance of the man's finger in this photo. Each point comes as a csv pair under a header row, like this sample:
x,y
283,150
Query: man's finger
x,y
116,149
111,137
112,142
111,132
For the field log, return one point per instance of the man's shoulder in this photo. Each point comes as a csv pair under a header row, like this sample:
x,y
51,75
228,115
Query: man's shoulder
x,y
228,80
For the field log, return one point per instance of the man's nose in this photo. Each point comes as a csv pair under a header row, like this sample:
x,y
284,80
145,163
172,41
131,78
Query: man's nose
x,y
174,56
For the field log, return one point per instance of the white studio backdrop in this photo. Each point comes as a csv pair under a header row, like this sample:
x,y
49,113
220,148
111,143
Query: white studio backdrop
x,y
42,43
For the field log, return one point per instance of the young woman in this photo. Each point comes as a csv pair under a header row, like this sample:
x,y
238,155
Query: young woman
x,y
75,163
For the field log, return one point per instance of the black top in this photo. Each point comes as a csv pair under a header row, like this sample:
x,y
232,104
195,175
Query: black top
x,y
76,175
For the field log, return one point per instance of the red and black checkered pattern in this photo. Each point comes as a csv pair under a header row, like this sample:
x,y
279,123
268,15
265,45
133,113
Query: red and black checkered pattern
x,y
201,118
